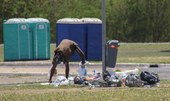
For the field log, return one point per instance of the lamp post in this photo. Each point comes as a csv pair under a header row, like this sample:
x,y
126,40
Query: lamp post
x,y
103,35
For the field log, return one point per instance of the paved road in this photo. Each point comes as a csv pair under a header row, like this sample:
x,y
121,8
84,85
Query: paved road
x,y
162,69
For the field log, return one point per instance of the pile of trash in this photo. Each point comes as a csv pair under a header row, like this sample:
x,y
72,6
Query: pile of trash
x,y
129,78
110,78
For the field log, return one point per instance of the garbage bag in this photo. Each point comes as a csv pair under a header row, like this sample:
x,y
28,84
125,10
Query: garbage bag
x,y
61,80
133,80
111,79
150,78
78,80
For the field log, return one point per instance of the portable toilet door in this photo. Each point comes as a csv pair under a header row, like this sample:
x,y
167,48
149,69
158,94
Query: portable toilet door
x,y
25,42
73,29
41,37
17,40
78,34
94,38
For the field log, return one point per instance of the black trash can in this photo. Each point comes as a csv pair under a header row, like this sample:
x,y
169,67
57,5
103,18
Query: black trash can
x,y
111,53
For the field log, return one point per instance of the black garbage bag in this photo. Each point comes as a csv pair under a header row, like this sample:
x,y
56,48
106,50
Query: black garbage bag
x,y
106,75
150,78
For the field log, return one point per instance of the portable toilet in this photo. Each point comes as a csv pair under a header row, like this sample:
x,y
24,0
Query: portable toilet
x,y
40,29
63,29
94,38
17,40
73,29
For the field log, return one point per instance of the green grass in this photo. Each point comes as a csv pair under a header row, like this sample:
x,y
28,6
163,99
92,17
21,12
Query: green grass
x,y
1,52
78,93
134,52
144,53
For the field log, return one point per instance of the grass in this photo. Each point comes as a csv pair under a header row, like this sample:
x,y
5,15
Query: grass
x,y
134,52
1,52
78,93
144,53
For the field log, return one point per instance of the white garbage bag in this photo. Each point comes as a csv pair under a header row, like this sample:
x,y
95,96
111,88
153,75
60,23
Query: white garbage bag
x,y
61,80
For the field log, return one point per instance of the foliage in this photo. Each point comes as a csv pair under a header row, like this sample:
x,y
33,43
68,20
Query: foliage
x,y
127,20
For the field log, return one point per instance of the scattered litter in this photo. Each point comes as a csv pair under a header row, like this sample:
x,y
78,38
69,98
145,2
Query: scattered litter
x,y
61,80
127,72
82,71
45,83
153,65
133,80
71,80
117,78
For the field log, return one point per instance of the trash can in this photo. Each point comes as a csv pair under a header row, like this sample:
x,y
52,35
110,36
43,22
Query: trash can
x,y
111,53
73,29
40,29
94,38
17,40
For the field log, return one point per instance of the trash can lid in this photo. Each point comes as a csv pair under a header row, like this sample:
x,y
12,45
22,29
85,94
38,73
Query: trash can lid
x,y
70,21
15,21
34,20
91,20
113,42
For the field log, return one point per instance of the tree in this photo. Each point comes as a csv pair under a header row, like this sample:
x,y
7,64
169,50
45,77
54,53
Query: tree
x,y
127,20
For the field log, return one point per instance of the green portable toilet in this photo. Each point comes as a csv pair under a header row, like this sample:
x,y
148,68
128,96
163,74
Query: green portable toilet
x,y
40,29
17,40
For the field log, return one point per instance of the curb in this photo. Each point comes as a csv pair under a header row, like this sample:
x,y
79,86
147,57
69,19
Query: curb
x,y
23,73
39,63
151,65
47,63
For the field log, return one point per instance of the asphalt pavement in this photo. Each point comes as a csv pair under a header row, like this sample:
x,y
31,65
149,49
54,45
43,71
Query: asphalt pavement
x,y
42,67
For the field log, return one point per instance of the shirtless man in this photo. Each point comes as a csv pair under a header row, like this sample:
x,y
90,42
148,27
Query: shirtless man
x,y
63,53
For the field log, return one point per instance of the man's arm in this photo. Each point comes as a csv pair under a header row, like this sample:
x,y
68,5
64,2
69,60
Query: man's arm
x,y
81,54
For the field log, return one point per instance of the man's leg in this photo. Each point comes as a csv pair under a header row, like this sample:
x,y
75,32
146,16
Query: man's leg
x,y
67,69
52,72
